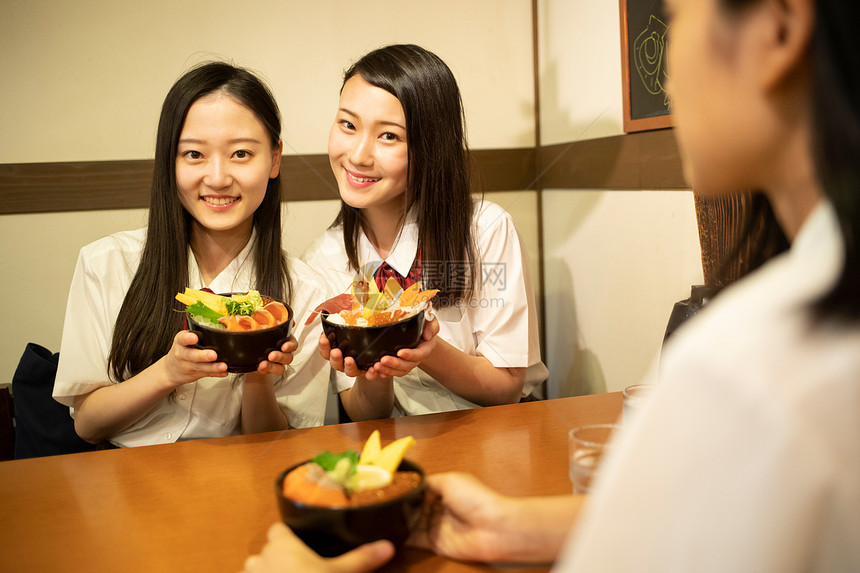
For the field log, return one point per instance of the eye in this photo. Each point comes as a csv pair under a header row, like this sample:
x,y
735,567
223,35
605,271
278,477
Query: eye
x,y
388,136
347,125
192,154
242,154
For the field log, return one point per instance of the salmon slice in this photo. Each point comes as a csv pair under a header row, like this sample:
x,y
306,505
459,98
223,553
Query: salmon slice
x,y
278,310
264,318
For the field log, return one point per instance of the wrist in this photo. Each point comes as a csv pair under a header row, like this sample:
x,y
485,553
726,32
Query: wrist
x,y
161,376
258,378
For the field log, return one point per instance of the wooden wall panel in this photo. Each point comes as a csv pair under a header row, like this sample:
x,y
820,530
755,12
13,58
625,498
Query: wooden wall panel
x,y
645,160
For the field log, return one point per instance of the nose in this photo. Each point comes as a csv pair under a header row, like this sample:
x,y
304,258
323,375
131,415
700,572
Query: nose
x,y
361,151
217,175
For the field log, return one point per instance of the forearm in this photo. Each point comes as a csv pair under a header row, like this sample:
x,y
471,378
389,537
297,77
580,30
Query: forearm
x,y
260,410
473,377
107,411
369,399
538,528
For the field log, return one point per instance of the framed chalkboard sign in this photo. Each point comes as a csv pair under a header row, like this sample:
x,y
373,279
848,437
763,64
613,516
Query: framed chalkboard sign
x,y
643,65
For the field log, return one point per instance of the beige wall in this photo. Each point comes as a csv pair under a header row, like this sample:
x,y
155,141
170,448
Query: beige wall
x,y
615,262
84,81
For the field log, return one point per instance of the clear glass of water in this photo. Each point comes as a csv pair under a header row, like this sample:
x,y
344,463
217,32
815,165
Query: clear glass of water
x,y
634,398
587,444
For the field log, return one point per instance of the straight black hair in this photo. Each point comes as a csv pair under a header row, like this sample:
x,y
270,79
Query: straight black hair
x,y
439,177
147,323
835,94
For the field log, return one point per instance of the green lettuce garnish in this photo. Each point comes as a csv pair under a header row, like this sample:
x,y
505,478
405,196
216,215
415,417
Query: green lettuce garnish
x,y
340,467
328,460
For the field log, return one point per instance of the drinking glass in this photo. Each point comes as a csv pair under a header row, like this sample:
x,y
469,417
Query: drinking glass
x,y
587,445
634,398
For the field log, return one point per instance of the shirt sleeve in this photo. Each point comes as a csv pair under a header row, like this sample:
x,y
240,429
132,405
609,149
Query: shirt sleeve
x,y
504,314
304,393
86,335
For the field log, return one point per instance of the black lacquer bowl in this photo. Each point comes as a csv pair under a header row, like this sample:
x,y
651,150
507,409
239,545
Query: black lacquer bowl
x,y
242,351
332,531
368,344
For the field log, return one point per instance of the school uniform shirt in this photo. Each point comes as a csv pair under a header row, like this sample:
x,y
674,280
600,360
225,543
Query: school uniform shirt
x,y
747,458
206,408
500,323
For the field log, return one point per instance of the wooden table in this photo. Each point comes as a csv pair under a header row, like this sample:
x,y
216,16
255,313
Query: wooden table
x,y
205,505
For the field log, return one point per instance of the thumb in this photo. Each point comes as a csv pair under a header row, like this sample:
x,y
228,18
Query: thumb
x,y
365,558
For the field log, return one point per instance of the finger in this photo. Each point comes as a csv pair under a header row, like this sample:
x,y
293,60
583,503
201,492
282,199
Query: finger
x,y
202,356
336,360
365,558
406,357
324,347
275,368
280,357
290,346
252,564
279,529
431,329
185,338
350,368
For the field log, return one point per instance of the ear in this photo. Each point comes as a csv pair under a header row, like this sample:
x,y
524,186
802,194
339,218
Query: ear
x,y
276,160
788,33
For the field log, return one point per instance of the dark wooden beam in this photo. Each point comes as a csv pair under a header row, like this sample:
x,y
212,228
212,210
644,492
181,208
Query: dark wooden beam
x,y
99,185
642,160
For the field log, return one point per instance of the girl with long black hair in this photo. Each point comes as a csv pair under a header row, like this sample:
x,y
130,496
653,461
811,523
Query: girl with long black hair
x,y
398,152
127,368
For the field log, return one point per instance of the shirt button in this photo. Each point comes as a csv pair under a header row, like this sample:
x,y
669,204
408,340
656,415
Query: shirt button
x,y
182,396
168,435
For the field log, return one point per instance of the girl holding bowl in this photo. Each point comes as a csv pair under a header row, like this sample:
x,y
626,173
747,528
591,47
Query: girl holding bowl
x,y
128,369
398,152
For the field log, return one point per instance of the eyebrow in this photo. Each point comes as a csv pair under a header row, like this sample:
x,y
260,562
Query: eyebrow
x,y
235,140
394,123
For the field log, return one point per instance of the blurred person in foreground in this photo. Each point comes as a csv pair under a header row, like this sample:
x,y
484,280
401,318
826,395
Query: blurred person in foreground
x,y
748,457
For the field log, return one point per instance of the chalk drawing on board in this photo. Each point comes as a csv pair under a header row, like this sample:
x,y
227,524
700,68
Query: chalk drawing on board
x,y
649,57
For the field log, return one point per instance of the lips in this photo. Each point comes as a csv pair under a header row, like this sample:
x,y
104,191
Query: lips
x,y
220,201
357,179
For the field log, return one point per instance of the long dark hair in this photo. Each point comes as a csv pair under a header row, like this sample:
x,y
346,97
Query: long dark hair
x,y
438,187
835,94
147,323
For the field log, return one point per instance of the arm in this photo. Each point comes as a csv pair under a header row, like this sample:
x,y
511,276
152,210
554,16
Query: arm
x,y
472,377
371,397
469,521
108,410
507,329
260,409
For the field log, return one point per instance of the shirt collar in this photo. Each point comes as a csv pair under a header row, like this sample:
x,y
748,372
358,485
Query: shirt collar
x,y
402,255
234,278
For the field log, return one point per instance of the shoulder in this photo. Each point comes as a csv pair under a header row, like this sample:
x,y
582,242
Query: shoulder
x,y
123,241
123,248
487,214
327,255
310,287
495,234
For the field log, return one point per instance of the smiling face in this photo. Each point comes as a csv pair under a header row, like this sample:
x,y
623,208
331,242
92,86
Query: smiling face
x,y
367,147
223,165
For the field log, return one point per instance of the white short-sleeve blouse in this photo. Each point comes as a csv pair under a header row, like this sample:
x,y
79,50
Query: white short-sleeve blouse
x,y
747,458
209,407
500,323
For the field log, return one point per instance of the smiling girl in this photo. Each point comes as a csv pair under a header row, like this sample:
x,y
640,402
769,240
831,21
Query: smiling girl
x,y
127,368
398,152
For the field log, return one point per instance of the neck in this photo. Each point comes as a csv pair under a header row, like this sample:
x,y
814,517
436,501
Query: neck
x,y
382,224
795,189
790,177
214,250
